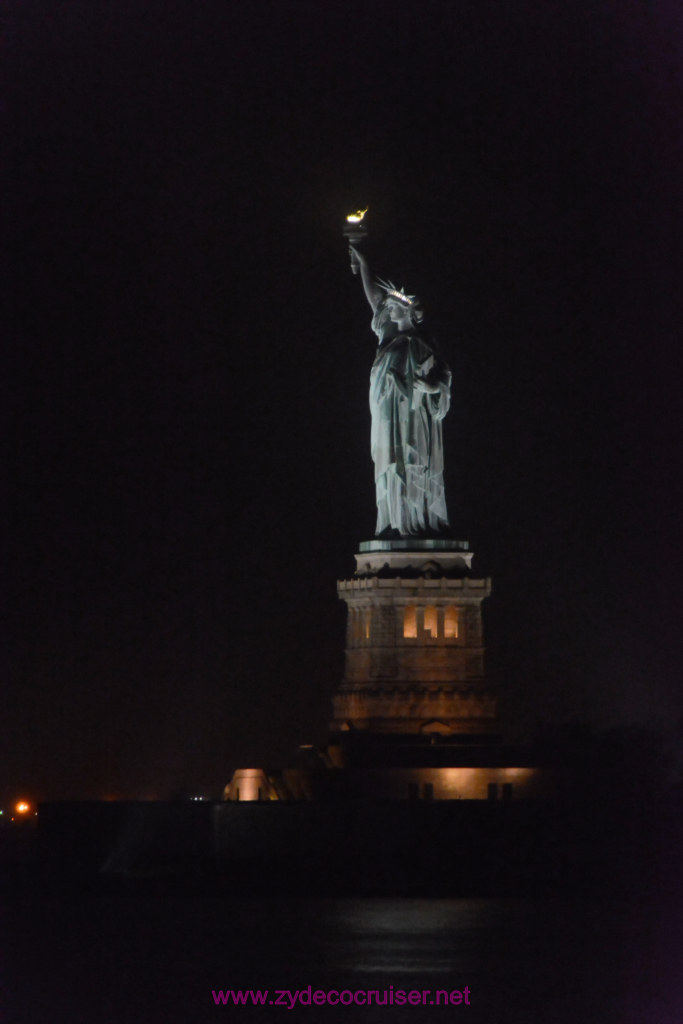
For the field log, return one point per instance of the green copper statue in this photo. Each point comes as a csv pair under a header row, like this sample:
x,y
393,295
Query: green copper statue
x,y
410,389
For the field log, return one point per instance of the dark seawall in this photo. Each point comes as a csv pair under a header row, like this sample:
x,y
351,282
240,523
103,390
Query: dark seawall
x,y
454,848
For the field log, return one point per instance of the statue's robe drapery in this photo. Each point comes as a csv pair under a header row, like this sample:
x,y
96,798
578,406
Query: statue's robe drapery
x,y
407,437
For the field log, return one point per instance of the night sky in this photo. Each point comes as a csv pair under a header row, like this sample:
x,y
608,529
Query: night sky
x,y
186,366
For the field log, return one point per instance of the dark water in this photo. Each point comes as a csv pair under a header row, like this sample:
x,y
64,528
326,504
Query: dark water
x,y
156,958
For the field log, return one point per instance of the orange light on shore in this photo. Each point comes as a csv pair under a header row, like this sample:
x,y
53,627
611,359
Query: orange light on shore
x,y
22,807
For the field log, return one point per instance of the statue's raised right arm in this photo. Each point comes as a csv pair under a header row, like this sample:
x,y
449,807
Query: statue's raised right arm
x,y
373,292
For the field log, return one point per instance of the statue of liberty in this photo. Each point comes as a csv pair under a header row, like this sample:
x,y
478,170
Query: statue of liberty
x,y
409,397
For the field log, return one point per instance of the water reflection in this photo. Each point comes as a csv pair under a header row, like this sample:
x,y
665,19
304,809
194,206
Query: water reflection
x,y
560,962
524,962
408,936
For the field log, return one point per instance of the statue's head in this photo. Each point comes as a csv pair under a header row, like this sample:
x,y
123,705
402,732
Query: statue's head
x,y
401,303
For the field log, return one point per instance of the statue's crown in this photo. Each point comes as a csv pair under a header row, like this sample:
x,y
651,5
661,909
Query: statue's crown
x,y
397,293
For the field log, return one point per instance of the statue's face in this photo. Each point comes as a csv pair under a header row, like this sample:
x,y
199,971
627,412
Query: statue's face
x,y
397,311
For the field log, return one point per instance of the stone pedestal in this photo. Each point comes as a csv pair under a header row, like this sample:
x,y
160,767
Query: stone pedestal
x,y
414,644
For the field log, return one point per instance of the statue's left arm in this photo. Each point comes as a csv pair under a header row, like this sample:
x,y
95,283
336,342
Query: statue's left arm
x,y
435,381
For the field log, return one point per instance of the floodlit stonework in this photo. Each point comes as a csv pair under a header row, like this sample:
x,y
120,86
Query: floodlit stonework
x,y
414,643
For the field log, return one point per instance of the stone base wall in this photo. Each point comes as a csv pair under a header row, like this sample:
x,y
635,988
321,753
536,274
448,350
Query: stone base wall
x,y
414,643
415,709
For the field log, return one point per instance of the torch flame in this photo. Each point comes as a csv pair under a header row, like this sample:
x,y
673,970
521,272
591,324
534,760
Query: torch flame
x,y
356,218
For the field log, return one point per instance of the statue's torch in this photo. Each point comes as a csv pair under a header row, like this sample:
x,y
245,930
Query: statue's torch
x,y
355,231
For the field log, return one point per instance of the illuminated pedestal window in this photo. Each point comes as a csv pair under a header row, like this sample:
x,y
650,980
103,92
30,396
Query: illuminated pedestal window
x,y
367,619
410,622
430,622
450,622
361,623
